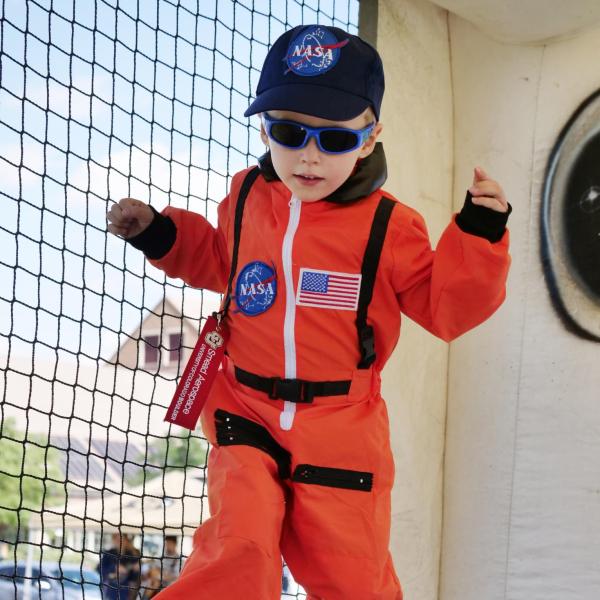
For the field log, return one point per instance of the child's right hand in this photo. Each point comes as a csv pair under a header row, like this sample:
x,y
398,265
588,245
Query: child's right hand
x,y
129,217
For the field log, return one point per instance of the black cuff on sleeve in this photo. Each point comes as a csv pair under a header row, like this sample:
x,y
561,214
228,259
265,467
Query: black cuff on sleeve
x,y
482,221
157,239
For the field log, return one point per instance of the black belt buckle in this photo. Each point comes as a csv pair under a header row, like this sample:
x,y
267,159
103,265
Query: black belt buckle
x,y
292,390
286,389
367,347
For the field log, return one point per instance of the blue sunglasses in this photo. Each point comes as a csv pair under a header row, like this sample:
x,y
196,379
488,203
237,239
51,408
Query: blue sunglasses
x,y
332,140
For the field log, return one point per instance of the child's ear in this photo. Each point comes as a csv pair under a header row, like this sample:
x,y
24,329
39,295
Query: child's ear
x,y
369,145
263,134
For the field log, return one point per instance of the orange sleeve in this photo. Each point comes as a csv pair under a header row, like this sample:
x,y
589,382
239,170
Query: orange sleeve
x,y
200,255
454,288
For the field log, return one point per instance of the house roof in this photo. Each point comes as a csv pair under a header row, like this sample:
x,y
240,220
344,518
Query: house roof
x,y
96,463
185,303
174,503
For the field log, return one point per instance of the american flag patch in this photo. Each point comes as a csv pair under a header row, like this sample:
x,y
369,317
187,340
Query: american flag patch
x,y
326,289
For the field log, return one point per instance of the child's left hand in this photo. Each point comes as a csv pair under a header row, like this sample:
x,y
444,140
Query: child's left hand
x,y
487,192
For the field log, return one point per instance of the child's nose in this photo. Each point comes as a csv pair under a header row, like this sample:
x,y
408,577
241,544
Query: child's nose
x,y
311,152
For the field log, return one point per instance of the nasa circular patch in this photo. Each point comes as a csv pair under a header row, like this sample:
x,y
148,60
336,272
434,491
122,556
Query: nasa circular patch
x,y
255,288
314,51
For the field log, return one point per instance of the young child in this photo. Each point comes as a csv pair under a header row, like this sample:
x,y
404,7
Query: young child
x,y
324,265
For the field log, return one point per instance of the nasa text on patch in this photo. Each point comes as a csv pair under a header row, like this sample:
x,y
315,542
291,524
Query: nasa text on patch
x,y
255,288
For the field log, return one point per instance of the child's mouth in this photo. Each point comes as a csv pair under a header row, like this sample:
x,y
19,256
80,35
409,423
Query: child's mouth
x,y
308,179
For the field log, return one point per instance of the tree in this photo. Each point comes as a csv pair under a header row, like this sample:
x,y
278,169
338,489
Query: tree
x,y
29,471
170,453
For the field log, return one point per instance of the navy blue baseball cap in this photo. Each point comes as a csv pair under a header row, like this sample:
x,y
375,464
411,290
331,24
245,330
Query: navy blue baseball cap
x,y
320,71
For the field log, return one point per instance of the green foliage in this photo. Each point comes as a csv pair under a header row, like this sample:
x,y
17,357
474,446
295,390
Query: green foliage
x,y
27,467
170,453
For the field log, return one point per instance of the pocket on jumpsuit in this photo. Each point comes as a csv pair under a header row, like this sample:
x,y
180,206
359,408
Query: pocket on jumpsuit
x,y
334,507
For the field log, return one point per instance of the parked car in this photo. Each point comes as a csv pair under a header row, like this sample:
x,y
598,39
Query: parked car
x,y
12,582
78,582
53,581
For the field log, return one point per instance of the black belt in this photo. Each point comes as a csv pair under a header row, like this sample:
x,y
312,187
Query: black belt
x,y
293,390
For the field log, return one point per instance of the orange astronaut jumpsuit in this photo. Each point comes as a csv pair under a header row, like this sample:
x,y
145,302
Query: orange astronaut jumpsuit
x,y
311,480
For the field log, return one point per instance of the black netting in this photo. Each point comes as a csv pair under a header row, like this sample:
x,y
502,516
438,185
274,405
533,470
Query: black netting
x,y
101,100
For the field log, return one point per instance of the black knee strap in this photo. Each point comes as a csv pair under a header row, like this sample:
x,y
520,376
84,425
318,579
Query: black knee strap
x,y
233,430
332,477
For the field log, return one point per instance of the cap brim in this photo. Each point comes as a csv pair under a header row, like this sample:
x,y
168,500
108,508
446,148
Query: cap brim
x,y
314,100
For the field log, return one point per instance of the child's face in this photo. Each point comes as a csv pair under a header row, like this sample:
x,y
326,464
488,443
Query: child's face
x,y
309,173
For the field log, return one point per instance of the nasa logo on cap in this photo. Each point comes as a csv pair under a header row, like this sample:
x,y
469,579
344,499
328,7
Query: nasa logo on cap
x,y
255,288
313,51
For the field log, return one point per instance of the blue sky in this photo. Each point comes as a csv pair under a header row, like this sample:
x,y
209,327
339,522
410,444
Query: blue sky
x,y
104,100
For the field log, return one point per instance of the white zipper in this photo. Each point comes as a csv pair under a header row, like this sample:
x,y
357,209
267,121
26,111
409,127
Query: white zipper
x,y
289,339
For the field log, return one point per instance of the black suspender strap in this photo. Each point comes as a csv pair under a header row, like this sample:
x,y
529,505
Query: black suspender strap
x,y
366,337
237,231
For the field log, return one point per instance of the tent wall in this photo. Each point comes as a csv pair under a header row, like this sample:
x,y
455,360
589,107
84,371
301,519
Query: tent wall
x,y
522,497
496,439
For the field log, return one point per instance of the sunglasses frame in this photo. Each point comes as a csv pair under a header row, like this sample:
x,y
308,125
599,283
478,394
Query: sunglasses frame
x,y
362,135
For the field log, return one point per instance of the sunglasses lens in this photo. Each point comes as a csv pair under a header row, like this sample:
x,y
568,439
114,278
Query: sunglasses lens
x,y
288,134
334,140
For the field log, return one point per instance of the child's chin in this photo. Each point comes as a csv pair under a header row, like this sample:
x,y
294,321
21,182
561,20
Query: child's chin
x,y
311,194
305,198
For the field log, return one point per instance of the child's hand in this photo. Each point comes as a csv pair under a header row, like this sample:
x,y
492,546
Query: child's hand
x,y
129,217
487,192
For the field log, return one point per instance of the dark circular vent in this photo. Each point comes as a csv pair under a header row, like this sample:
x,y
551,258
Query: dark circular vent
x,y
571,220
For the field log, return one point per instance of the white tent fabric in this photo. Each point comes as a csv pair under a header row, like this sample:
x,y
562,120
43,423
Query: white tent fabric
x,y
511,435
522,464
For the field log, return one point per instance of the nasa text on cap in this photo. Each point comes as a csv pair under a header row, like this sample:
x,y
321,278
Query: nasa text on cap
x,y
321,71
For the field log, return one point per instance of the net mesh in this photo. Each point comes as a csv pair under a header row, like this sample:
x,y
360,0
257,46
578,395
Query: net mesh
x,y
101,101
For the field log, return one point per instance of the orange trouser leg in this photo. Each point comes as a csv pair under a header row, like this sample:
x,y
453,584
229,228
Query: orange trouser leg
x,y
236,553
333,548
335,540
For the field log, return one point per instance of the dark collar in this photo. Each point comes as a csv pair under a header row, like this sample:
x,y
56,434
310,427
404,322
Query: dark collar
x,y
369,175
